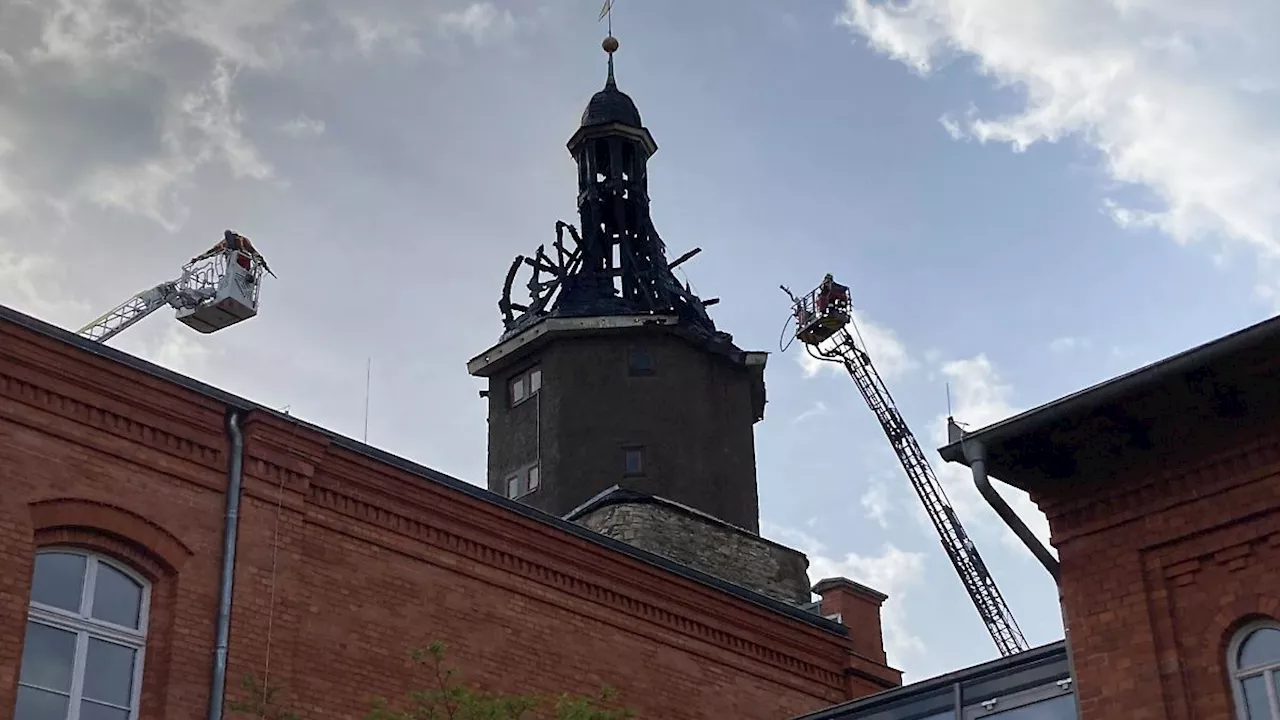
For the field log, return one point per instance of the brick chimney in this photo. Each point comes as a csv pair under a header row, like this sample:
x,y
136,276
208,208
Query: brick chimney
x,y
858,608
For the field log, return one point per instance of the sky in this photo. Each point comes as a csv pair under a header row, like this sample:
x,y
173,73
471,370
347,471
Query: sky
x,y
1026,197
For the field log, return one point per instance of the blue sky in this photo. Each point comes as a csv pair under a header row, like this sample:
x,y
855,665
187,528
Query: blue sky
x,y
1025,197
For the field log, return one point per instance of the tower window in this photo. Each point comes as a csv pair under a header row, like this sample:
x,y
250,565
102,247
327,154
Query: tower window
x,y
640,362
633,461
525,385
524,481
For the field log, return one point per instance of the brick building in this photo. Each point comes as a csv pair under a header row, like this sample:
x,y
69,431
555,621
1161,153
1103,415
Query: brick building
x,y
116,474
1162,490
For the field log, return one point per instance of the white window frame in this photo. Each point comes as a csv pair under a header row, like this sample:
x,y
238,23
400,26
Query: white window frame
x,y
86,627
1270,672
521,479
526,382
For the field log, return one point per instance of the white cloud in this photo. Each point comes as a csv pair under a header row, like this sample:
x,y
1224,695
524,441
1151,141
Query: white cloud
x,y
1177,96
181,350
302,126
875,502
371,34
34,284
887,352
952,127
893,572
202,126
980,398
9,198
481,21
819,408
119,104
1067,344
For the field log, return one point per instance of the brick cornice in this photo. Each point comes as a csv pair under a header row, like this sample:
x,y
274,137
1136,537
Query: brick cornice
x,y
1084,507
616,582
468,516
32,387
66,370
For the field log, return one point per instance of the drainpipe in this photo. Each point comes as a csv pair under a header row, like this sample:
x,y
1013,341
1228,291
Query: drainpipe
x,y
975,453
230,526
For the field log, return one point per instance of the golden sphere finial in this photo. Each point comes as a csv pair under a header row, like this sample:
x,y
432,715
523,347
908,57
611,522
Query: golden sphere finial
x,y
610,44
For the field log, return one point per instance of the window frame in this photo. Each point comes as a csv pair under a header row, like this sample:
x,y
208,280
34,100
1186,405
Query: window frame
x,y
1269,671
521,478
86,627
635,369
993,706
525,381
626,453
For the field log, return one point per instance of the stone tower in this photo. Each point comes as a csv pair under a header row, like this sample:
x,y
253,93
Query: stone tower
x,y
613,398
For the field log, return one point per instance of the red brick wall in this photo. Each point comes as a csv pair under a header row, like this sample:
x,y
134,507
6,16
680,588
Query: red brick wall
x,y
1159,567
345,564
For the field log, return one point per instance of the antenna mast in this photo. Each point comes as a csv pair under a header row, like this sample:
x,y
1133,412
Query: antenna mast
x,y
368,375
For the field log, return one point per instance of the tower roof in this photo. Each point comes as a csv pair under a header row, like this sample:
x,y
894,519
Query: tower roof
x,y
611,105
617,266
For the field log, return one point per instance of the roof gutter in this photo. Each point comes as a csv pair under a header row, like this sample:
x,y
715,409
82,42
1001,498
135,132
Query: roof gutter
x,y
1114,389
230,529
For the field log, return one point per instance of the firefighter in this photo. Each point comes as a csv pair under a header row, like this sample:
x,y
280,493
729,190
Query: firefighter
x,y
831,292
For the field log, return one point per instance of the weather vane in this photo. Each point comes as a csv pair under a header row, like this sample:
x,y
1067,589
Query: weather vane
x,y
606,12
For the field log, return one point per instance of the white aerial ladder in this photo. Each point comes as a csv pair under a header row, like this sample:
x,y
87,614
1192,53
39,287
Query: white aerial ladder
x,y
217,289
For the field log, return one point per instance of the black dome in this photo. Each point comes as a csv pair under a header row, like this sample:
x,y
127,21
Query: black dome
x,y
611,105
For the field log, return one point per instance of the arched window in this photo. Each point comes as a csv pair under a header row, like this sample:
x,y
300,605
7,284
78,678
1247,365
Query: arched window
x,y
86,630
1254,657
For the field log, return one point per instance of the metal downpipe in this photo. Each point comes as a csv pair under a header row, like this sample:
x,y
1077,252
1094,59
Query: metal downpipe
x,y
230,527
976,455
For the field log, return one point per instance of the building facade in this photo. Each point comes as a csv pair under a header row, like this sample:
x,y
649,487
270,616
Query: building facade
x,y
112,544
1162,491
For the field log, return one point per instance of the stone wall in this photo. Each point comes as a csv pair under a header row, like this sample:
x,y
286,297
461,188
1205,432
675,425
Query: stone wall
x,y
704,543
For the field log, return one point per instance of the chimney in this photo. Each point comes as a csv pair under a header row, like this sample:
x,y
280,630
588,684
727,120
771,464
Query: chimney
x,y
858,608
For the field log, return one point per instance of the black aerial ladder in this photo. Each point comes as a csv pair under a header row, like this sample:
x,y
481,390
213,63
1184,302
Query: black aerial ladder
x,y
822,320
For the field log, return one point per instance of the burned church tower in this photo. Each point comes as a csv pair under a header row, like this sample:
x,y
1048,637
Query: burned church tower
x,y
613,399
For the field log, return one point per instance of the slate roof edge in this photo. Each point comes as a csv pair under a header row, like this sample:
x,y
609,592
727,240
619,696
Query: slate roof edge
x,y
618,495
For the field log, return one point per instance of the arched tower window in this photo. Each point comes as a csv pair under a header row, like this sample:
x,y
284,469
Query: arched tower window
x,y
86,631
1254,659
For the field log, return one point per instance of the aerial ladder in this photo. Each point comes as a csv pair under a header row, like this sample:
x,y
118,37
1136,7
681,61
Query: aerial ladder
x,y
823,318
216,289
